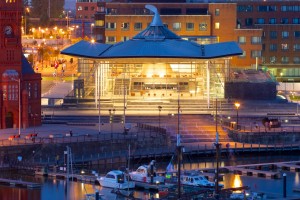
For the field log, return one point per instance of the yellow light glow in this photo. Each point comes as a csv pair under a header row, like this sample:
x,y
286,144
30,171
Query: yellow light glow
x,y
237,105
237,181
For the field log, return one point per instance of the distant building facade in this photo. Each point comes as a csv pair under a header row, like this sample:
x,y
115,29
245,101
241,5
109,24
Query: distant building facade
x,y
20,86
267,31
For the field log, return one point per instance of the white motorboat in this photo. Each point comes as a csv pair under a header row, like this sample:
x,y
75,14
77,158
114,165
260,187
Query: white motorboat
x,y
116,179
197,180
143,174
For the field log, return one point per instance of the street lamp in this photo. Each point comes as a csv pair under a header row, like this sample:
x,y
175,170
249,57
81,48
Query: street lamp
x,y
111,115
159,110
237,105
92,27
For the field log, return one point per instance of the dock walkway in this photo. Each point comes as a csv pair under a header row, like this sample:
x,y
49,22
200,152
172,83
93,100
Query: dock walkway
x,y
19,183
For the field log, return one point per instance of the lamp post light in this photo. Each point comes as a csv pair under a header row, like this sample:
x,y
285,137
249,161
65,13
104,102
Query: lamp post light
x,y
237,105
92,27
111,115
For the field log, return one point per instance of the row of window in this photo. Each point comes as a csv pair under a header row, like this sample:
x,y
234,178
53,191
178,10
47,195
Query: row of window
x,y
268,8
176,26
272,59
249,21
11,92
254,40
284,47
284,34
275,21
272,35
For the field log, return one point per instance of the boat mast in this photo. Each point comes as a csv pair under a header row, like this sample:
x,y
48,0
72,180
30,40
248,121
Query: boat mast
x,y
217,144
178,146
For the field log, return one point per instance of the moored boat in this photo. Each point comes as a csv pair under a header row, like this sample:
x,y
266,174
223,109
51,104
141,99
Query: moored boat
x,y
144,174
116,179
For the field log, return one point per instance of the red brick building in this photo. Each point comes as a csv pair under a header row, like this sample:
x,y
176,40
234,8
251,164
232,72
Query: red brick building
x,y
20,86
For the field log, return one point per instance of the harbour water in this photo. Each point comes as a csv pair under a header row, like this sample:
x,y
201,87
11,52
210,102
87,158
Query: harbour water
x,y
61,190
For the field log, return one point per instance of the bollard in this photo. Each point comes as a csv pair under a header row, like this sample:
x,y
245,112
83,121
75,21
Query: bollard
x,y
97,197
284,185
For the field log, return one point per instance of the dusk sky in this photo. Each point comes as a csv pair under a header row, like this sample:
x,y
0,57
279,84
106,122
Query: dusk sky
x,y
70,4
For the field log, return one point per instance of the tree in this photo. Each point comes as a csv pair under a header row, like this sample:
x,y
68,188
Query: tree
x,y
40,9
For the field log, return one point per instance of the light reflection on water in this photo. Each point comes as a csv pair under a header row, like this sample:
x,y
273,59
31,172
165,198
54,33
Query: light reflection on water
x,y
59,190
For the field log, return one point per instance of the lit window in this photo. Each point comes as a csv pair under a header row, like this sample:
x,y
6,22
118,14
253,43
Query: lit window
x,y
255,53
203,26
285,34
284,20
272,21
273,59
217,25
79,8
217,12
260,20
125,26
99,23
243,55
256,40
242,39
124,38
284,47
177,26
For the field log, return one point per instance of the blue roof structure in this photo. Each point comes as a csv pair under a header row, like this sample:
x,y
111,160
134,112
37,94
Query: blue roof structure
x,y
156,41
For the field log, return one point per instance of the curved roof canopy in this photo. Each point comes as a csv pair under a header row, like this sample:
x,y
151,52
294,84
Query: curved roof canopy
x,y
156,41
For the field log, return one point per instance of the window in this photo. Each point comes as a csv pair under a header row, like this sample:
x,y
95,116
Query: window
x,y
296,47
243,55
243,8
284,59
86,8
112,11
285,34
79,8
297,34
99,23
284,47
177,26
125,26
273,34
272,21
110,39
295,8
255,53
92,8
255,40
217,12
273,47
110,26
296,21
35,90
242,39
296,60
203,26
273,59
217,25
284,20
267,8
138,26
189,26
248,21
124,38
260,20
